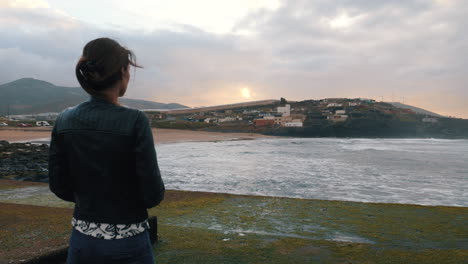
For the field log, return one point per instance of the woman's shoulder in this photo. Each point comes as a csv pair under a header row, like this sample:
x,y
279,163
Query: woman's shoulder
x,y
104,117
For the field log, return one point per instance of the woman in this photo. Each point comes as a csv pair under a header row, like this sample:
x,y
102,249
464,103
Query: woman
x,y
102,158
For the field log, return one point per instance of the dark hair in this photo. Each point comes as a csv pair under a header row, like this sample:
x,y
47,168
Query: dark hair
x,y
101,64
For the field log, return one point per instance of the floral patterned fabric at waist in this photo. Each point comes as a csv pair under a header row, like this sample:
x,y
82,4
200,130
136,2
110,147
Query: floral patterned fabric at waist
x,y
109,231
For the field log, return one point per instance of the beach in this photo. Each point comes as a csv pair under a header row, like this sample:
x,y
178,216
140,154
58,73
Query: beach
x,y
13,134
161,136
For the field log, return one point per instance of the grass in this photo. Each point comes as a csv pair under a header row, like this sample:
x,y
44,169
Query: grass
x,y
197,227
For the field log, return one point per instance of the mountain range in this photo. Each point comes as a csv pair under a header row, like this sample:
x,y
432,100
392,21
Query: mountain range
x,y
32,96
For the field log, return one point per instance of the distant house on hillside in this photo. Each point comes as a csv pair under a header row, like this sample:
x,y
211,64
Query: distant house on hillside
x,y
226,119
155,115
294,123
338,118
370,101
430,120
284,110
280,120
334,105
264,122
229,119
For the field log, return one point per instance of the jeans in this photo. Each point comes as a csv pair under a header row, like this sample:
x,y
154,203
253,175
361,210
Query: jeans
x,y
87,249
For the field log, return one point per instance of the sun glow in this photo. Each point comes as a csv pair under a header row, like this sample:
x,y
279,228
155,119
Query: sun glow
x,y
343,21
245,93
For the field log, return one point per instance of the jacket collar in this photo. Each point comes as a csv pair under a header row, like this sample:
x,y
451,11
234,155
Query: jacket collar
x,y
95,99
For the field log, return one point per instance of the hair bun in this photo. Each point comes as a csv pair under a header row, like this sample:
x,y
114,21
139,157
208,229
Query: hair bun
x,y
90,66
101,64
89,69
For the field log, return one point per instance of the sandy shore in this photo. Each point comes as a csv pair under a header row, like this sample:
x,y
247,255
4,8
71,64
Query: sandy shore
x,y
161,136
13,134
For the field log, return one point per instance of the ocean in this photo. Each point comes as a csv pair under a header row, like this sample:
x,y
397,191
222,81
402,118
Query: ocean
x,y
408,171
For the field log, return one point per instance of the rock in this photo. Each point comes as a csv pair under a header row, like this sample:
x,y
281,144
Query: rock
x,y
24,161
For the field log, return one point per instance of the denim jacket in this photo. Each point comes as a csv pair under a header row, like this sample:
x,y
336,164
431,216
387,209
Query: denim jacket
x,y
102,158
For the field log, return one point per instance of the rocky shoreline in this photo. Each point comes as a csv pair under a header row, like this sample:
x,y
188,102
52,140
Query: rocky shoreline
x,y
24,161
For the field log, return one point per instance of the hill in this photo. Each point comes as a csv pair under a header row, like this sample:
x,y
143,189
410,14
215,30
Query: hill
x,y
414,109
31,96
329,117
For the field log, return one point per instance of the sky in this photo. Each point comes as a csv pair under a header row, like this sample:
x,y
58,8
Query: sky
x,y
212,52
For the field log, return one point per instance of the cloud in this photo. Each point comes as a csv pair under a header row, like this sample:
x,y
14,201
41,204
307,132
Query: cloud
x,y
365,48
298,50
33,4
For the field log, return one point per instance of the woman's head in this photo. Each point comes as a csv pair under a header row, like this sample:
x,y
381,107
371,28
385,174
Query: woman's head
x,y
104,64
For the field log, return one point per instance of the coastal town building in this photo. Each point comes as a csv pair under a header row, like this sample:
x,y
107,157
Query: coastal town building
x,y
155,115
229,119
294,123
302,117
430,120
337,118
43,116
264,122
369,101
284,110
334,105
281,120
226,119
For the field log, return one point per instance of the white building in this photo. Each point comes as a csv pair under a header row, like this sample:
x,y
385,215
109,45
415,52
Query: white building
x,y
284,110
251,111
226,119
354,104
430,120
294,124
334,105
340,112
337,118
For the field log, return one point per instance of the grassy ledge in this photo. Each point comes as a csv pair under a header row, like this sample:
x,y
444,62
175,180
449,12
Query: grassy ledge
x,y
198,227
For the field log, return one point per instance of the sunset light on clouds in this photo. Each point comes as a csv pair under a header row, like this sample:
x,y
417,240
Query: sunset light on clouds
x,y
199,52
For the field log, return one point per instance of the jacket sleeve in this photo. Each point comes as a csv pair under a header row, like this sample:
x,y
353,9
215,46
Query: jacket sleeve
x,y
59,179
148,176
